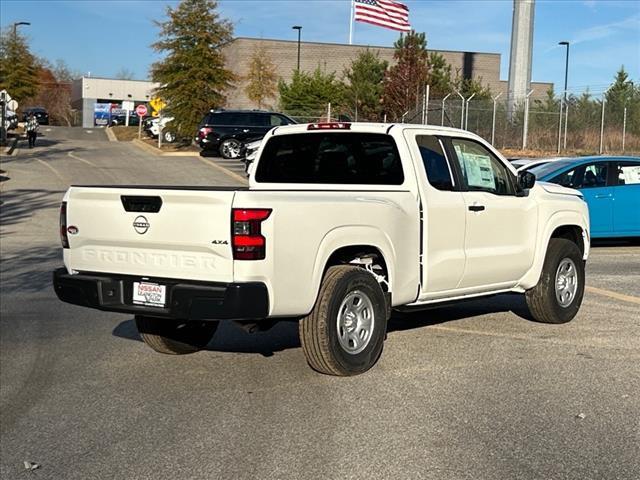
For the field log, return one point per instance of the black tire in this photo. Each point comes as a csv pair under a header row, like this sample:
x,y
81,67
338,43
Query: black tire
x,y
230,148
542,300
175,337
319,330
168,137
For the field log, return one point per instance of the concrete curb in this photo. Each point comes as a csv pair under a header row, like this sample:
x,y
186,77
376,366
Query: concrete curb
x,y
160,153
110,135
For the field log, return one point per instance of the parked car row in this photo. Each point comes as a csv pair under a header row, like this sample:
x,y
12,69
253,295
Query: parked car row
x,y
225,131
10,120
609,185
41,114
154,125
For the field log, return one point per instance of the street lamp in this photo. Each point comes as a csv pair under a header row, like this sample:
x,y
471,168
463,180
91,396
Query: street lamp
x,y
299,29
16,25
566,69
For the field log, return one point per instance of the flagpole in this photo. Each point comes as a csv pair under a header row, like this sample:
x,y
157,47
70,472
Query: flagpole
x,y
351,23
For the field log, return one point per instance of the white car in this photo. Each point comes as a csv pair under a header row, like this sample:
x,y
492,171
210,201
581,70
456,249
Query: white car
x,y
529,163
340,224
250,153
156,125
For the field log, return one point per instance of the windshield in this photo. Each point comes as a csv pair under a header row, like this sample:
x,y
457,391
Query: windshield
x,y
541,171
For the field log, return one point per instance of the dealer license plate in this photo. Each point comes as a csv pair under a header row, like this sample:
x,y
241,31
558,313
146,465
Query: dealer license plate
x,y
149,294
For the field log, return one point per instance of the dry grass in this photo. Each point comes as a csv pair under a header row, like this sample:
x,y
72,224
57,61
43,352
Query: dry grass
x,y
585,142
170,147
125,134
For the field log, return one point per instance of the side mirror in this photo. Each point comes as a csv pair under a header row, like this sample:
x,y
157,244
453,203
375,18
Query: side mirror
x,y
526,180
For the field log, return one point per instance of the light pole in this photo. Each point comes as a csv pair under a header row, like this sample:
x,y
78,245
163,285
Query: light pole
x,y
566,69
299,29
16,25
564,97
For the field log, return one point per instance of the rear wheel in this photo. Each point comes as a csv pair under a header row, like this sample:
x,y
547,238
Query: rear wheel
x,y
344,333
175,337
169,136
558,295
230,148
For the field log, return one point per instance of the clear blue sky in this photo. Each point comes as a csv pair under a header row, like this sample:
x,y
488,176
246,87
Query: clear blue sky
x,y
102,37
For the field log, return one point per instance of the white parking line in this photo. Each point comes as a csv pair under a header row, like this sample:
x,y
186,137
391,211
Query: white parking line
x,y
55,172
72,155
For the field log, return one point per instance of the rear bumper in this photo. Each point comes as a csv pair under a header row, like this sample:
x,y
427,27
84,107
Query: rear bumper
x,y
185,300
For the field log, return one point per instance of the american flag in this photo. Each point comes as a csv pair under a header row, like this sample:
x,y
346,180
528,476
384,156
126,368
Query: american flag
x,y
384,13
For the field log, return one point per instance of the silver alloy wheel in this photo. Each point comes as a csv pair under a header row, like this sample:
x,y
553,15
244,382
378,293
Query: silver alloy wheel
x,y
566,282
355,322
231,148
169,137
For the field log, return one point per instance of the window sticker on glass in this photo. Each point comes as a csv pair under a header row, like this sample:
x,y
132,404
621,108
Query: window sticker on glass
x,y
479,171
628,175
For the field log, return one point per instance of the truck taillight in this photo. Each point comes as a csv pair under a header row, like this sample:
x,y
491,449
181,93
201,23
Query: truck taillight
x,y
246,236
63,225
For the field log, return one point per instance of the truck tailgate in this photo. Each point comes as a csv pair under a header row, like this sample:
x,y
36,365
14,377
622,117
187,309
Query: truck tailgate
x,y
154,232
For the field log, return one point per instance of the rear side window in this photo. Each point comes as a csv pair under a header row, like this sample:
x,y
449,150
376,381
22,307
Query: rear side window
x,y
225,118
435,162
334,158
628,174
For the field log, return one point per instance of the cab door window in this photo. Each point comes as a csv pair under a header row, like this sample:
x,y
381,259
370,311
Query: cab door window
x,y
480,169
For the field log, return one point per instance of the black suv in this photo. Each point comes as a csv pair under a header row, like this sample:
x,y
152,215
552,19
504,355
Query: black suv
x,y
39,112
225,131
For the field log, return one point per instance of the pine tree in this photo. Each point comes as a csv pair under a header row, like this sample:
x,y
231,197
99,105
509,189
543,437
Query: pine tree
x,y
405,80
439,78
192,76
262,77
366,84
309,93
622,94
18,67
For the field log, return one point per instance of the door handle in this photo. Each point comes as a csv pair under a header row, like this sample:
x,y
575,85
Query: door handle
x,y
604,195
476,208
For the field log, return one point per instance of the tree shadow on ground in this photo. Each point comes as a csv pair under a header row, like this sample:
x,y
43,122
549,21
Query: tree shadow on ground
x,y
29,270
19,205
284,335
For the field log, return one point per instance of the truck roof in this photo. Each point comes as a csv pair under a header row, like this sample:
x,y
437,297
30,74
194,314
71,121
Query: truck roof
x,y
364,127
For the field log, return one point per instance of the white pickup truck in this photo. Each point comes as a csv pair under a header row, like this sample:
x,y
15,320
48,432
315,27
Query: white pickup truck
x,y
340,224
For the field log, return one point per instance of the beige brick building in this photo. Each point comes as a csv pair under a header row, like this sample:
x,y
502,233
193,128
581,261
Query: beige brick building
x,y
335,57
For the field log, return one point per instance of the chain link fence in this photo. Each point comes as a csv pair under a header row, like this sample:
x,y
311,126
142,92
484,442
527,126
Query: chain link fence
x,y
581,125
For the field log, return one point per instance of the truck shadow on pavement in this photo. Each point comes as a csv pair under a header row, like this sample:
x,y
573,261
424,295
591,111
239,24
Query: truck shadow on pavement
x,y
21,204
29,270
284,335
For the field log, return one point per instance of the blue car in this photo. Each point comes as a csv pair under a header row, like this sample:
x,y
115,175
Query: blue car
x,y
611,188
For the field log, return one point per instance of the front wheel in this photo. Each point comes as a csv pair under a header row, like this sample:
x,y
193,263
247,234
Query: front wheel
x,y
344,333
175,337
230,148
558,295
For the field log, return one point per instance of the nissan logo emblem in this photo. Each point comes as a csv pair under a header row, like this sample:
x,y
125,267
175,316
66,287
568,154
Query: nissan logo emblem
x,y
141,225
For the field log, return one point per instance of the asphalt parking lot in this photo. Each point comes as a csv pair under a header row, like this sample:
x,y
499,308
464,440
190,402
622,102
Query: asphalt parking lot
x,y
473,391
